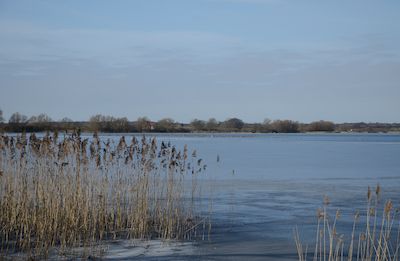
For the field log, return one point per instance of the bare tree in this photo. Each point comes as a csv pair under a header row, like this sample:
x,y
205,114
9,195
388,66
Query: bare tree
x,y
321,126
1,116
41,118
143,124
233,124
95,122
32,119
18,118
119,124
66,119
108,123
44,118
212,124
285,126
266,125
198,125
166,125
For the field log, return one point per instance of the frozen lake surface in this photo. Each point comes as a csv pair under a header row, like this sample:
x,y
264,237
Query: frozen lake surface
x,y
266,184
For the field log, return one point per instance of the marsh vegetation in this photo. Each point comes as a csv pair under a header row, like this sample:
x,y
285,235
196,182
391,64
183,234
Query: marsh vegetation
x,y
377,237
57,193
277,183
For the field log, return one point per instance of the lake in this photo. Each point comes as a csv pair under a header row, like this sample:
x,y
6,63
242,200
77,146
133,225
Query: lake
x,y
264,185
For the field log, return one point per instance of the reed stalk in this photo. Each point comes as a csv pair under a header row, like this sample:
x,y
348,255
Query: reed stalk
x,y
378,240
57,193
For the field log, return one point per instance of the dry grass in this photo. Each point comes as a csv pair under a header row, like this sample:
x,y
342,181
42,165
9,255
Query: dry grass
x,y
72,192
377,238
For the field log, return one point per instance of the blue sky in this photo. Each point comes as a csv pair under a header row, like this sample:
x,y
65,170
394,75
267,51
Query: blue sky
x,y
253,59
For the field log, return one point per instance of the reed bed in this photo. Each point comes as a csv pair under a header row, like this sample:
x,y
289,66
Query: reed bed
x,y
73,192
375,238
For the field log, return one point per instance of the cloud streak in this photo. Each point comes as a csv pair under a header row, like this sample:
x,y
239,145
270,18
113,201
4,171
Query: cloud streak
x,y
111,47
248,60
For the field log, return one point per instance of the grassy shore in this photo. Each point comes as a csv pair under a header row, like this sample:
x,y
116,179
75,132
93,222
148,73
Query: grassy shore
x,y
74,192
375,238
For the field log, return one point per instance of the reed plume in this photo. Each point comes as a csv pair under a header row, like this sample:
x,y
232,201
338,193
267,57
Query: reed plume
x,y
378,238
74,192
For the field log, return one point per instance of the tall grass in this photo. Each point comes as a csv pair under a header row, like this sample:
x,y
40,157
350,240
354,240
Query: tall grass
x,y
375,238
73,192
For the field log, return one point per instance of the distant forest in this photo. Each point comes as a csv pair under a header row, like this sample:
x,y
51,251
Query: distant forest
x,y
101,123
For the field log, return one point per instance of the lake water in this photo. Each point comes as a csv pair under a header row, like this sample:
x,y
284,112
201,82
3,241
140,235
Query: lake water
x,y
266,184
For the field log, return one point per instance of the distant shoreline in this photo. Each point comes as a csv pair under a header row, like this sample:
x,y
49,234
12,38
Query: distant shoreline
x,y
109,124
216,133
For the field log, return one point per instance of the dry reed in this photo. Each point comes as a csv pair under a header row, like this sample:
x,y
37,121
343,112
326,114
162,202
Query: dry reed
x,y
72,192
378,238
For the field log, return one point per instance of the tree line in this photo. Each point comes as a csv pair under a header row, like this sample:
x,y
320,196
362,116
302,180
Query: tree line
x,y
105,123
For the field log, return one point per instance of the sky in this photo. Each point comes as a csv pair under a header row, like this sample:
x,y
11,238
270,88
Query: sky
x,y
303,60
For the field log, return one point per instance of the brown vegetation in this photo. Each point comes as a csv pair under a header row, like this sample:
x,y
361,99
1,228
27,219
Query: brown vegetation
x,y
285,126
377,239
327,126
1,116
101,123
74,192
